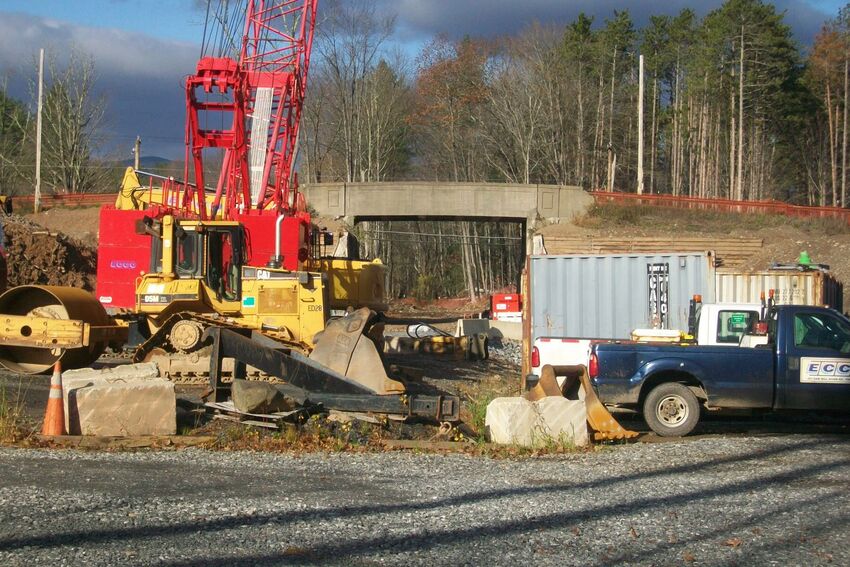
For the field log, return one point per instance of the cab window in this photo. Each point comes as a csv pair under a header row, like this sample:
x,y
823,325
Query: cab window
x,y
188,254
224,263
817,330
732,325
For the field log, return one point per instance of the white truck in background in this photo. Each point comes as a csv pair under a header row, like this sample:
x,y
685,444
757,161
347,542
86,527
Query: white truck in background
x,y
714,324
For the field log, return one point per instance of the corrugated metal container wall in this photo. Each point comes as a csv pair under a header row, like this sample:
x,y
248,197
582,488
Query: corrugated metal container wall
x,y
792,288
608,295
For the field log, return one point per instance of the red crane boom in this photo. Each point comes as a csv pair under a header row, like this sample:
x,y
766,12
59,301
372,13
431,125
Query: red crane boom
x,y
260,96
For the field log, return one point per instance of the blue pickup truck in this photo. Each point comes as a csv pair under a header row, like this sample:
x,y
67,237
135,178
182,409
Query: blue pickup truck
x,y
804,365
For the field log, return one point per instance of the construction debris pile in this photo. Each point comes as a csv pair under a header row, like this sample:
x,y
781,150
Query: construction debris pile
x,y
45,257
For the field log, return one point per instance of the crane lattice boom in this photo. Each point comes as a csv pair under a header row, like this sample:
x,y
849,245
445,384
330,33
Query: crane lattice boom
x,y
260,97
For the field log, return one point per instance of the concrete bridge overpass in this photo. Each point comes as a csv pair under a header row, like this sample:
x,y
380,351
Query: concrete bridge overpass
x,y
420,200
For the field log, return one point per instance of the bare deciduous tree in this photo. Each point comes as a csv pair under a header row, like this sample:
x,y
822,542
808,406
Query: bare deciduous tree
x,y
72,121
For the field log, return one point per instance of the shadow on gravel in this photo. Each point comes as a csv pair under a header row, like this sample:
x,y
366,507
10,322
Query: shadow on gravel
x,y
768,424
333,551
790,539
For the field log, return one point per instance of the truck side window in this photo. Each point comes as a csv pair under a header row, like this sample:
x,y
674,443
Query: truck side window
x,y
732,325
815,330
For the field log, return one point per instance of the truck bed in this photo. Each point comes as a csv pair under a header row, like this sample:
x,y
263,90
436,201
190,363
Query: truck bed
x,y
730,377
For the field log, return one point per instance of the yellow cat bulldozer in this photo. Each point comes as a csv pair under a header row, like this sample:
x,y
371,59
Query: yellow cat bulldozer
x,y
199,279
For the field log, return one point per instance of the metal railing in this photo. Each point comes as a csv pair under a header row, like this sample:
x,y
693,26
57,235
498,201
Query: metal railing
x,y
723,205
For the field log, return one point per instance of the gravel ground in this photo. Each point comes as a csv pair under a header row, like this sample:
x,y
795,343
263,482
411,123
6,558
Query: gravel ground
x,y
727,500
507,350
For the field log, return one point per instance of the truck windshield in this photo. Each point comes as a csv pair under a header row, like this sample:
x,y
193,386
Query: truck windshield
x,y
818,330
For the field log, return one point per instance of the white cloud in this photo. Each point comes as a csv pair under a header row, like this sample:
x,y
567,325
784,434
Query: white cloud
x,y
141,75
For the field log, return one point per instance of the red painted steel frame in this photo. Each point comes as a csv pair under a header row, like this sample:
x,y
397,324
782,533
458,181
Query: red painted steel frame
x,y
273,57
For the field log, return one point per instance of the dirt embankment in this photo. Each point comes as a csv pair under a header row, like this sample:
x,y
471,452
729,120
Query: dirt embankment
x,y
36,255
827,241
78,223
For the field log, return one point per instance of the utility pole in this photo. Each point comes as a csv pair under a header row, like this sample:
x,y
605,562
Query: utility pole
x,y
37,200
640,129
136,151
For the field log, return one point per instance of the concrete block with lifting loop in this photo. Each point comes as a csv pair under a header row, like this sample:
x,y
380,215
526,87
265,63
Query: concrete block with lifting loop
x,y
577,384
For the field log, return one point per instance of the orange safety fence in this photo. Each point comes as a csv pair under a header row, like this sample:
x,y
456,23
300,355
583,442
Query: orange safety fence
x,y
723,205
67,200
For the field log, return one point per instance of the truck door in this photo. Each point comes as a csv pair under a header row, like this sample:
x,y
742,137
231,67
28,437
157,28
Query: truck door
x,y
816,366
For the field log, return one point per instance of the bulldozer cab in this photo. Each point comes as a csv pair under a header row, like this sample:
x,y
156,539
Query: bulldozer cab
x,y
224,258
195,262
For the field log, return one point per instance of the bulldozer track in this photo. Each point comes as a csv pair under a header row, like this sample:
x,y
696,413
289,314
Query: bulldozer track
x,y
193,368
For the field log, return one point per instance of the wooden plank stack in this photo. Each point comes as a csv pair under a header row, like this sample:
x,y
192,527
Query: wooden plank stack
x,y
730,252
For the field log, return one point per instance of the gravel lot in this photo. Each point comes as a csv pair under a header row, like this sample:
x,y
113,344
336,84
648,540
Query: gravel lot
x,y
723,500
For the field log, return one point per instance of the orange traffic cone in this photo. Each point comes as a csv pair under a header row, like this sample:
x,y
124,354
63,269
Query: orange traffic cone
x,y
54,415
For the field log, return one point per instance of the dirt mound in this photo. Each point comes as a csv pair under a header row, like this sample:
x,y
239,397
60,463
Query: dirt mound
x,y
79,223
36,255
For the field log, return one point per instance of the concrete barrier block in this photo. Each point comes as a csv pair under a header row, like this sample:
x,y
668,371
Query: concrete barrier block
x,y
81,377
138,371
510,421
517,421
506,329
471,327
563,420
121,401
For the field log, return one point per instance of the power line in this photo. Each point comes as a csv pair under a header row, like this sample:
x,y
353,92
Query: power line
x,y
460,236
414,241
92,166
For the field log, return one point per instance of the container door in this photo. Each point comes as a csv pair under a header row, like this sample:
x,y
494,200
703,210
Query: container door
x,y
817,365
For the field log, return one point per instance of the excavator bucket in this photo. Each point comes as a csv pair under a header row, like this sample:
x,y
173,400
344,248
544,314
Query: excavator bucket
x,y
349,346
545,387
600,420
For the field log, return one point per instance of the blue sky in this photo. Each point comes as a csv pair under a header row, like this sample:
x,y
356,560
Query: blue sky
x,y
144,48
169,19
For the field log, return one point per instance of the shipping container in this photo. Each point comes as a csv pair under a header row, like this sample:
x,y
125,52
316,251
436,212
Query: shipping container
x,y
608,295
790,287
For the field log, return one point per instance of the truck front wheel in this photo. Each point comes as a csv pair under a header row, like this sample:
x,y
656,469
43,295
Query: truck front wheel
x,y
671,410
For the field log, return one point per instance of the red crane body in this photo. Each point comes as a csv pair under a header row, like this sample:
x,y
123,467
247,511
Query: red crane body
x,y
256,103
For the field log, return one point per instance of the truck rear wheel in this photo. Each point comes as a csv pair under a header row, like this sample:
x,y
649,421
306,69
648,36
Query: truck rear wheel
x,y
671,410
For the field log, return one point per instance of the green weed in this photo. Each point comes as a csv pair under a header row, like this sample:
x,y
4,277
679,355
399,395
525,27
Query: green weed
x,y
477,407
12,426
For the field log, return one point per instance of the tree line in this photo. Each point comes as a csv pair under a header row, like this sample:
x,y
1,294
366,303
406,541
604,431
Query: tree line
x,y
733,108
73,117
